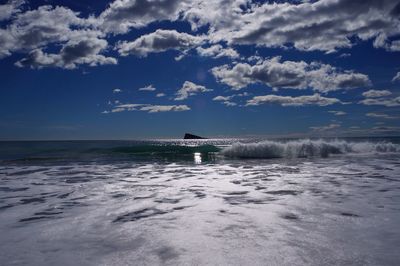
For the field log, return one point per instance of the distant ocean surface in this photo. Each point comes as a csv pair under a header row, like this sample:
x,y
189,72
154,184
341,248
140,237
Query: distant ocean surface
x,y
200,202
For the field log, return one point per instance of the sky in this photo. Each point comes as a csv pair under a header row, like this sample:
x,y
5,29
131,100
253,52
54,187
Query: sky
x,y
133,69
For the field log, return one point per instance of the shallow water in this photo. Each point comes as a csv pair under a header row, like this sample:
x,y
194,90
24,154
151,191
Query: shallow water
x,y
200,209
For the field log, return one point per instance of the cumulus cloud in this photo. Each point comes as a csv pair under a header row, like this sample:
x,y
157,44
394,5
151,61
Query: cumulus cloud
x,y
149,108
117,90
7,41
217,51
315,99
324,25
121,15
289,75
161,94
189,89
337,113
33,31
38,59
382,42
396,77
376,93
85,51
148,88
10,8
159,41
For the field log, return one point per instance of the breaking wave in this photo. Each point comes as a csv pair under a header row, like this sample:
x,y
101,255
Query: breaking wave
x,y
210,150
306,148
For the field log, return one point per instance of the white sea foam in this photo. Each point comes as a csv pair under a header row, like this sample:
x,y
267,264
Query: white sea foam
x,y
170,211
306,148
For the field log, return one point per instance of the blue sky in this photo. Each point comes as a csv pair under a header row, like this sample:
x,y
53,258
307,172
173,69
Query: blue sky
x,y
129,69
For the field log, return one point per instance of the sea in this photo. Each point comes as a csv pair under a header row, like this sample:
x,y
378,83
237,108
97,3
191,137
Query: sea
x,y
201,202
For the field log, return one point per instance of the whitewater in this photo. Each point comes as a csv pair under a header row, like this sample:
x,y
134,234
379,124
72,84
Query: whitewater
x,y
307,148
200,202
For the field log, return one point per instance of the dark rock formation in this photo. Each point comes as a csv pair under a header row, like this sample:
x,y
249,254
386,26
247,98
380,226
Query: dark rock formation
x,y
191,136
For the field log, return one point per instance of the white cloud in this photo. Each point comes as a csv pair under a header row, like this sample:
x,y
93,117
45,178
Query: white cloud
x,y
325,25
289,75
243,94
148,88
379,97
149,108
161,94
255,59
222,98
386,129
381,115
326,128
396,77
394,46
229,103
393,102
121,15
7,41
217,51
118,110
127,107
344,55
315,99
35,29
10,8
227,100
189,89
84,51
382,42
117,90
159,41
165,108
337,113
376,93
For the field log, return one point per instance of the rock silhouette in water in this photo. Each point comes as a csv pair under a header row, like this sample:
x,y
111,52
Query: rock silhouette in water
x,y
191,136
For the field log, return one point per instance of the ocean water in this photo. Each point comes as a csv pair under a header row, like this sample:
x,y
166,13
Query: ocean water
x,y
203,202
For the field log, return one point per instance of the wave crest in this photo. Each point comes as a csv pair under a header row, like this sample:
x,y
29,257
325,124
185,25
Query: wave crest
x,y
306,148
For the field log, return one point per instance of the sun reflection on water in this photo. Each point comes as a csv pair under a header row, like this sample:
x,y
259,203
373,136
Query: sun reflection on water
x,y
197,158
